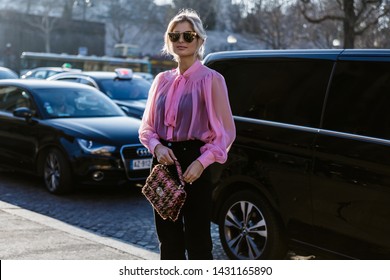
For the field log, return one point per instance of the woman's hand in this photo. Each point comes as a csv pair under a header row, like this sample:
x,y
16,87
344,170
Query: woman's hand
x,y
193,172
164,155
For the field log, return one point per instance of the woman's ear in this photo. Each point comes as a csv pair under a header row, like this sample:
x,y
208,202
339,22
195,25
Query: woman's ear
x,y
200,43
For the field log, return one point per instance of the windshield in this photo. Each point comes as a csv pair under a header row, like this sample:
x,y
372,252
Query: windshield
x,y
75,103
123,89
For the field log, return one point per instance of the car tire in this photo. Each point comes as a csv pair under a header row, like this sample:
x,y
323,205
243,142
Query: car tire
x,y
249,228
56,172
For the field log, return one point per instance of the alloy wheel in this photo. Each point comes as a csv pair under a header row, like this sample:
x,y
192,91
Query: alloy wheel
x,y
245,230
52,172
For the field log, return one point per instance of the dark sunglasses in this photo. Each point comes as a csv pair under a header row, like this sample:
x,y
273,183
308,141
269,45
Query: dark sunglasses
x,y
188,36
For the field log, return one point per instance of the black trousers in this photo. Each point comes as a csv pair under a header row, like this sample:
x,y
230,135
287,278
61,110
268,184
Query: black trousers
x,y
189,237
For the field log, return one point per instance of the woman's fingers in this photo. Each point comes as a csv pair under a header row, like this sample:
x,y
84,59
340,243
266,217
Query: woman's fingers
x,y
164,155
193,172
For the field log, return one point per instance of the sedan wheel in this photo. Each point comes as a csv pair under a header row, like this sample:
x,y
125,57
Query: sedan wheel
x,y
56,173
249,229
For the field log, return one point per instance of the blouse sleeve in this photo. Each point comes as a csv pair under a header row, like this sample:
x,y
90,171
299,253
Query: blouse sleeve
x,y
221,122
147,133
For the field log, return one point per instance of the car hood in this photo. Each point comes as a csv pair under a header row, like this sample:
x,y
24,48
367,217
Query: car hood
x,y
108,130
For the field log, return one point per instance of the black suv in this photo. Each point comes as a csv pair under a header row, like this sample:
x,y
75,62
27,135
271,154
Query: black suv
x,y
311,162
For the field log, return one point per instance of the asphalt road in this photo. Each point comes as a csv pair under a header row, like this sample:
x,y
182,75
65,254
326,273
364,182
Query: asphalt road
x,y
122,214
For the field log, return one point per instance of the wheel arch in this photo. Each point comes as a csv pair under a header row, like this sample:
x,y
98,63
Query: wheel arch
x,y
276,239
230,187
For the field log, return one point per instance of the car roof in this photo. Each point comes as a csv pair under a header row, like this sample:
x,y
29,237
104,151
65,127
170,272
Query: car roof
x,y
332,54
35,84
100,74
5,69
55,68
47,68
92,74
8,71
272,53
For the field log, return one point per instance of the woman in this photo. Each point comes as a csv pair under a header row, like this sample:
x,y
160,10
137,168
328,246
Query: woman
x,y
188,118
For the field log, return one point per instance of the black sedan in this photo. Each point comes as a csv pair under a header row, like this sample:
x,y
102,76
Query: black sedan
x,y
68,133
128,90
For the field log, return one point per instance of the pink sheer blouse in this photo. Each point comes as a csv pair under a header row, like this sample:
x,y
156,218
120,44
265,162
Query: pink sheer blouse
x,y
190,106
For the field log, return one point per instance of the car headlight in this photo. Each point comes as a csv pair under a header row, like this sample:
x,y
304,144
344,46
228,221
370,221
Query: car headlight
x,y
92,147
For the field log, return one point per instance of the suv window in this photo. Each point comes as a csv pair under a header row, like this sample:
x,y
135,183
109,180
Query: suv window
x,y
359,99
283,90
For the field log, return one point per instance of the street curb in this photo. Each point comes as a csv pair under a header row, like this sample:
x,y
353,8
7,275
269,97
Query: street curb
x,y
58,225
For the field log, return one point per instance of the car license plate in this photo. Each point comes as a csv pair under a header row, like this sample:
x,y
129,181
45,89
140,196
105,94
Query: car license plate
x,y
138,164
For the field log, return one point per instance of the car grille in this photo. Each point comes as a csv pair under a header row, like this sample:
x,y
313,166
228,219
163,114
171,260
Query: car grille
x,y
136,153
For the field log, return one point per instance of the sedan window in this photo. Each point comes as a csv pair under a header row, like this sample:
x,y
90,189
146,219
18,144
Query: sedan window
x,y
86,81
12,98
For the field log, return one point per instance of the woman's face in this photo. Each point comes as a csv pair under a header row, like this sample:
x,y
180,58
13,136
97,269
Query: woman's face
x,y
182,48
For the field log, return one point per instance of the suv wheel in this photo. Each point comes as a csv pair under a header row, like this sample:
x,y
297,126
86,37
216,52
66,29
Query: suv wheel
x,y
249,229
56,172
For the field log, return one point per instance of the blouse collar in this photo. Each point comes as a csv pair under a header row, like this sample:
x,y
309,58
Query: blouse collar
x,y
193,68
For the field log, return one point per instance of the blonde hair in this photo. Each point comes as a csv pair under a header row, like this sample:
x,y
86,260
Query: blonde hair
x,y
192,17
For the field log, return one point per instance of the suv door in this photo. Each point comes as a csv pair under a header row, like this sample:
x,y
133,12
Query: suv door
x,y
277,104
351,182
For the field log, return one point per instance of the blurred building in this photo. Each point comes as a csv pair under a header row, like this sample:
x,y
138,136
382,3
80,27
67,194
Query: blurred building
x,y
22,32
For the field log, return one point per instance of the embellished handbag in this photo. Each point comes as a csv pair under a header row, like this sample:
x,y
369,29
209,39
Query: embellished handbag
x,y
164,192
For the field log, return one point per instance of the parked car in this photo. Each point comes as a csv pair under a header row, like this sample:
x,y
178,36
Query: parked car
x,y
68,133
147,76
127,90
46,72
6,73
311,162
